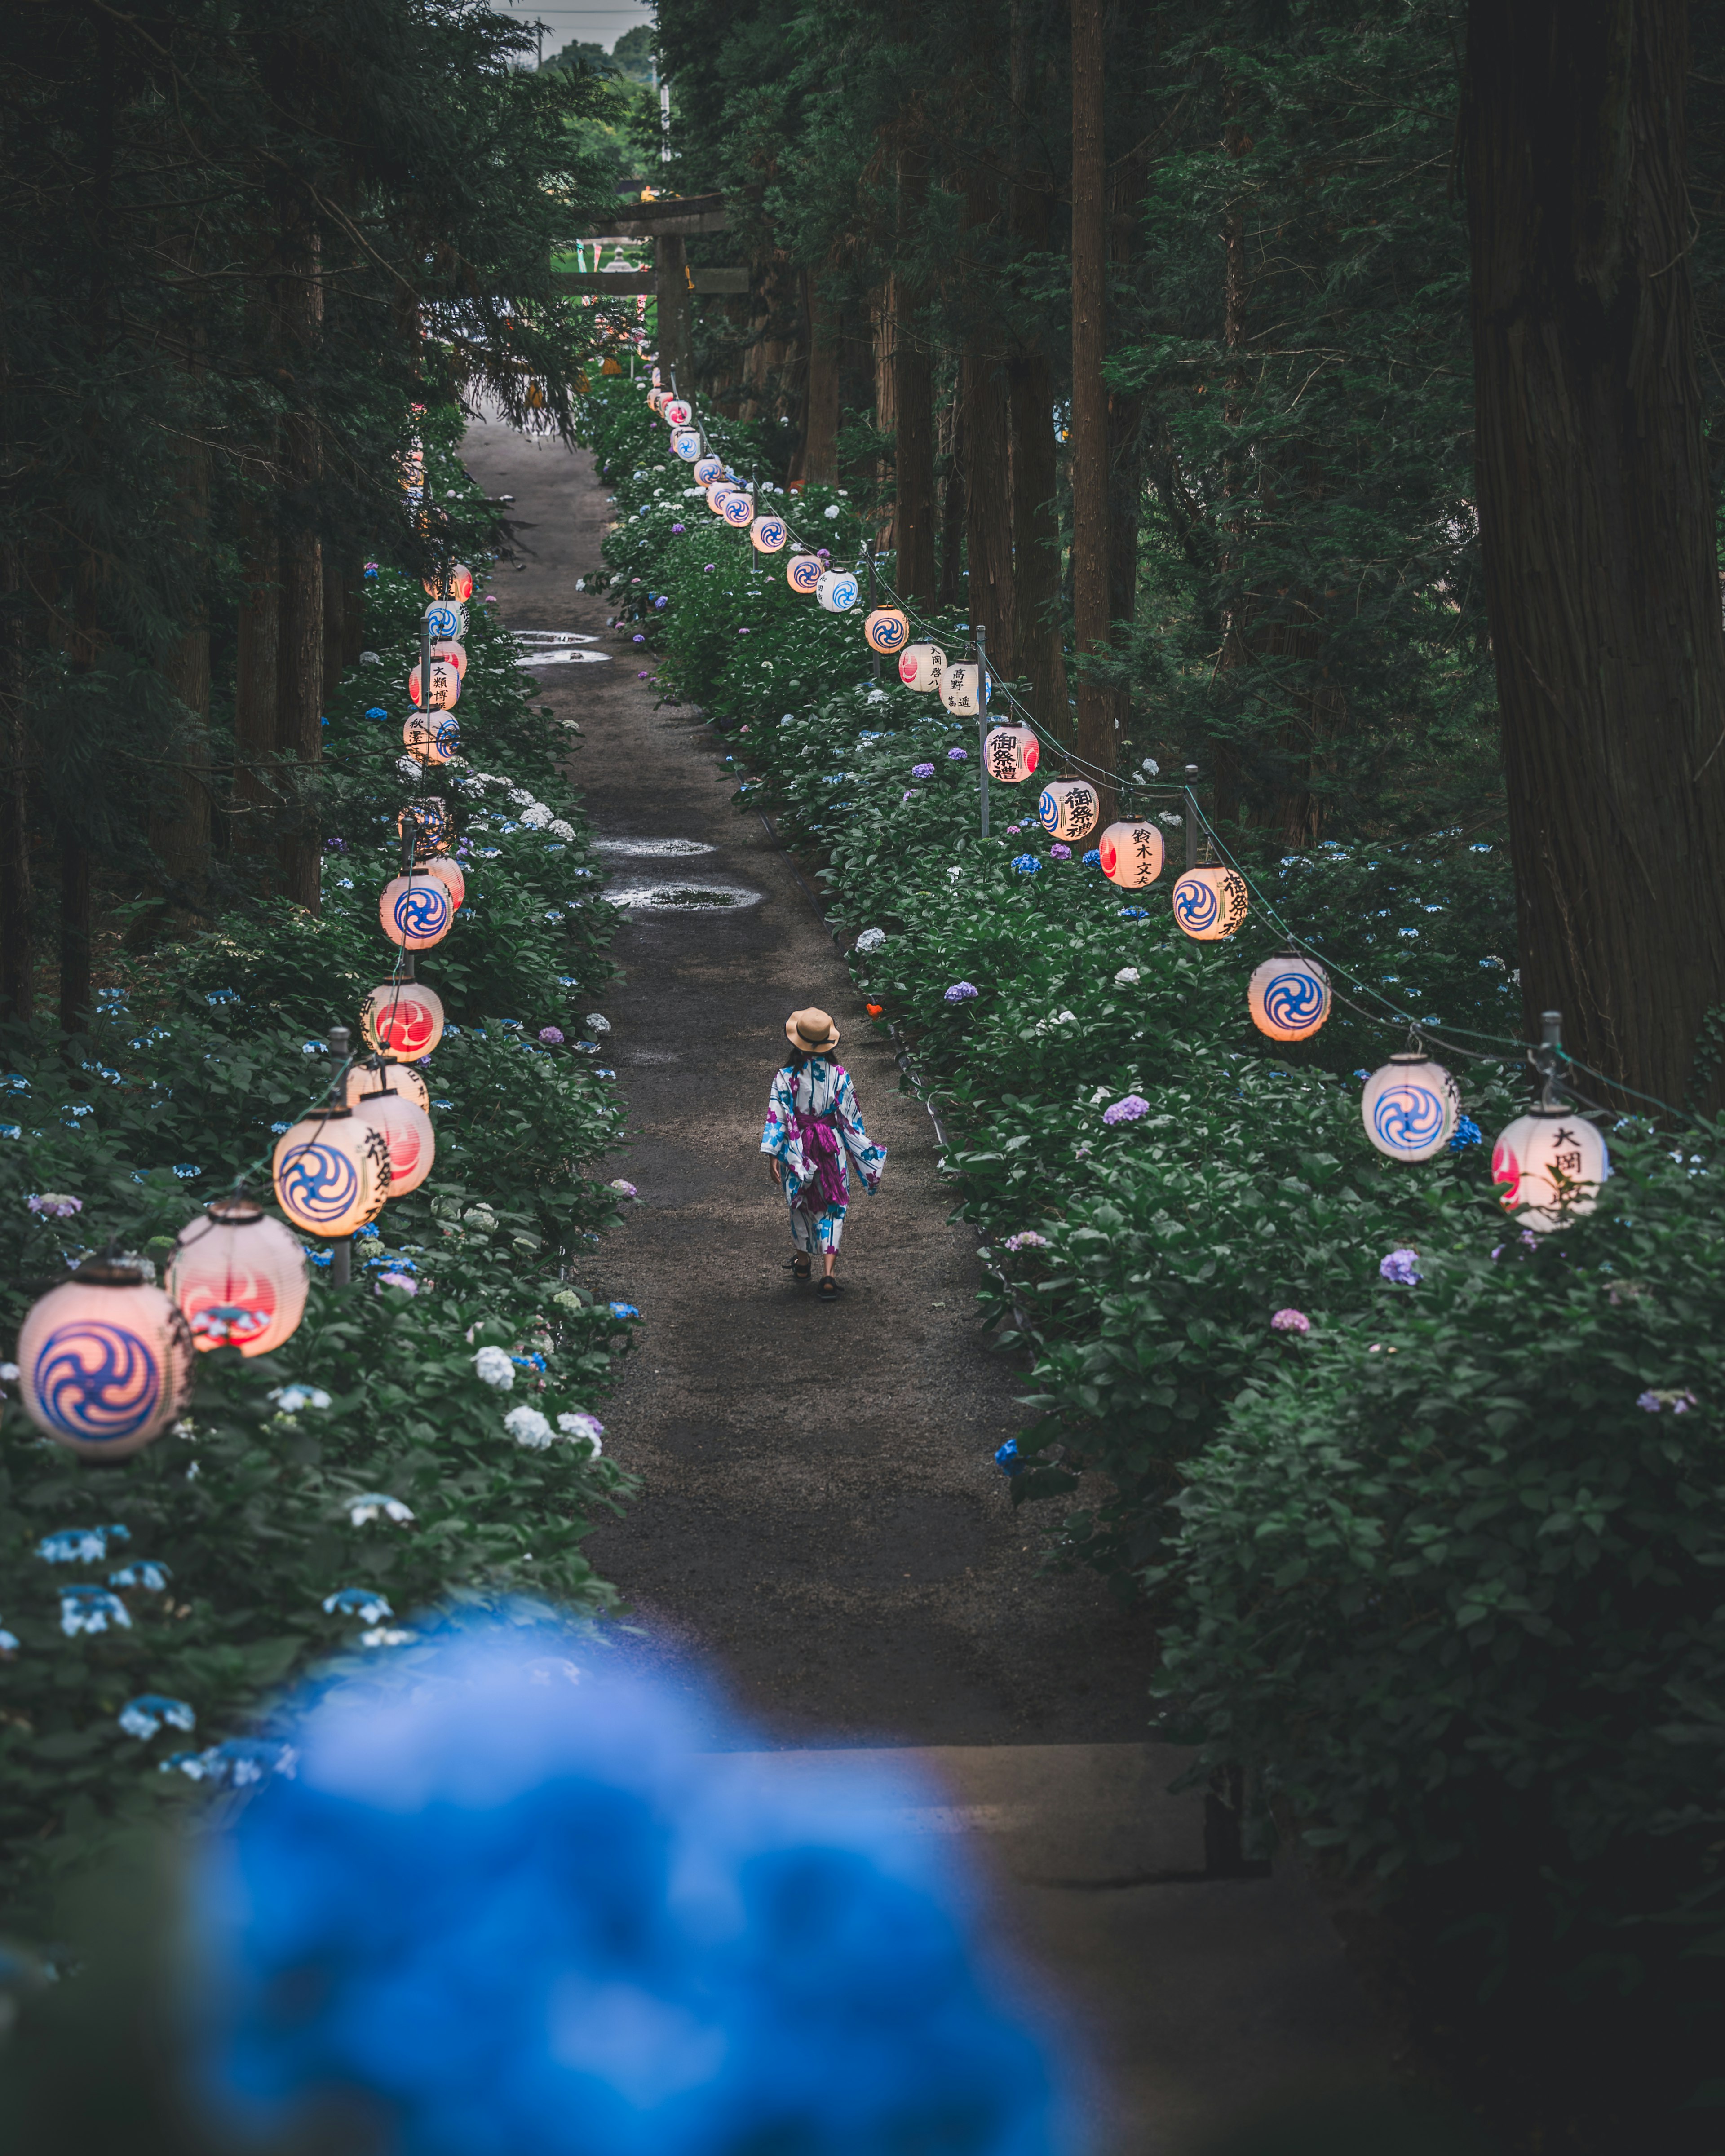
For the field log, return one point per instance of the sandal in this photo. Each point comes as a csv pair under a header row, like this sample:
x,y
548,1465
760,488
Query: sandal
x,y
800,1266
828,1290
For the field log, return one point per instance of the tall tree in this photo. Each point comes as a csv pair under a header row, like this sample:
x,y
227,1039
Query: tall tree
x,y
1097,735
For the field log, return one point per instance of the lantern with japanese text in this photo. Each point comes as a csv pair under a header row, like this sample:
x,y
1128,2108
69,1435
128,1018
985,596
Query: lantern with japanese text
x,y
1209,903
444,617
449,873
961,689
445,687
105,1360
332,1172
921,665
686,443
802,573
707,468
887,631
431,824
1410,1107
431,737
676,411
1068,807
1012,753
455,583
1130,853
837,591
415,911
405,1128
1288,997
374,1072
239,1277
769,534
1548,1165
403,1018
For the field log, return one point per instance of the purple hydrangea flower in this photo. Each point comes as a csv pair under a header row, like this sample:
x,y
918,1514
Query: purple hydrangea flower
x,y
1059,853
922,771
1291,1321
957,756
1027,1239
706,569
638,638
961,992
1126,1110
1679,1403
679,527
1402,1267
552,1035
660,604
55,1204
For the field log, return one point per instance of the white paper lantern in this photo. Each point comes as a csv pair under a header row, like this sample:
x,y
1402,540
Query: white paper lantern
x,y
403,1018
718,494
105,1361
887,631
405,1128
837,591
961,689
1012,753
706,469
738,510
1130,853
769,534
1549,1165
456,584
377,1071
1209,903
415,911
921,665
802,573
451,653
431,737
444,617
1289,997
445,687
238,1278
447,873
1410,1107
686,443
657,397
332,1172
1068,808
676,411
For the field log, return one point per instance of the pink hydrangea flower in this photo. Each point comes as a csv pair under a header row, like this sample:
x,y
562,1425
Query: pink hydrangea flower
x,y
1291,1321
552,1035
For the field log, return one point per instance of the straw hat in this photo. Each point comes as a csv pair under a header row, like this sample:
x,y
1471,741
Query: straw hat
x,y
811,1030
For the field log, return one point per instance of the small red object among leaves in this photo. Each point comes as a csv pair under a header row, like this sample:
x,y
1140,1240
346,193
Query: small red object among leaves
x,y
874,1010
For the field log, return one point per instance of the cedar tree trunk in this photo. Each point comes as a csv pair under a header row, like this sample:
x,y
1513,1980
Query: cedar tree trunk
x,y
1097,736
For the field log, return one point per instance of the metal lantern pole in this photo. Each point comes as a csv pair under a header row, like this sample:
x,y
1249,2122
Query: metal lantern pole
x,y
1191,819
341,1248
982,721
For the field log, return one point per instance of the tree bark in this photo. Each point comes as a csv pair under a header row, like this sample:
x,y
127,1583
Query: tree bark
x,y
1097,733
952,577
914,515
1596,522
256,692
298,709
180,820
987,504
820,418
75,933
671,300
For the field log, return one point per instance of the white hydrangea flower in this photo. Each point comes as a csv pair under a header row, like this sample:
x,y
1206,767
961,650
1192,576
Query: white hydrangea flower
x,y
955,876
537,817
378,1504
583,1426
1129,977
407,767
559,829
830,512
387,1635
872,939
528,1427
492,1367
519,797
291,1398
597,1022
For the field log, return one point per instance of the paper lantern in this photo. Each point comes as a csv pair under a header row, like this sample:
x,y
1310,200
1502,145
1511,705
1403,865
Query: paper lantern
x,y
1549,1165
1012,753
415,911
443,617
737,509
886,631
1289,997
105,1361
718,494
238,1278
445,686
1130,853
676,411
405,1129
376,1071
332,1172
432,738
837,591
431,824
447,873
685,443
1068,807
706,469
1209,903
802,573
961,689
451,653
921,665
769,534
1410,1107
656,398
456,583
403,1018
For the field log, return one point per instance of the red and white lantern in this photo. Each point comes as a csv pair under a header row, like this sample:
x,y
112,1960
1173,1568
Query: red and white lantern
x,y
921,665
431,737
447,873
676,412
405,1128
238,1278
376,1071
1132,853
1549,1165
403,1018
1012,754
445,687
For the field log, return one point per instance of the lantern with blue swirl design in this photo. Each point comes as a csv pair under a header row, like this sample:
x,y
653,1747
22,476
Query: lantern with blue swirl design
x,y
676,412
1410,1107
1068,807
706,469
718,494
238,1278
415,911
444,617
738,510
1209,903
403,1018
105,1361
920,666
961,689
886,631
1130,853
404,1127
431,737
1289,997
431,824
1012,753
837,591
332,1172
769,534
686,443
1547,1166
374,1072
802,573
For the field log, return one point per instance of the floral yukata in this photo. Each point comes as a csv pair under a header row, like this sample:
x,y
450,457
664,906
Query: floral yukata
x,y
815,1129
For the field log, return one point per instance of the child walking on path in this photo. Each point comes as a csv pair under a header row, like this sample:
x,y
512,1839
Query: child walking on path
x,y
815,1130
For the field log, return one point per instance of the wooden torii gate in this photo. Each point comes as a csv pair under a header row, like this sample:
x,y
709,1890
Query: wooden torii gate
x,y
668,221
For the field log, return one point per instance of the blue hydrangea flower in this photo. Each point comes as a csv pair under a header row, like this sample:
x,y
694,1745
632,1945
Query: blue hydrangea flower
x,y
1402,1267
1467,1133
957,756
364,1603
1007,1460
377,711
625,1310
80,1545
961,992
237,1764
294,1399
9,1642
1092,860
186,1172
1026,864
145,1571
223,996
144,1716
91,1609
1134,913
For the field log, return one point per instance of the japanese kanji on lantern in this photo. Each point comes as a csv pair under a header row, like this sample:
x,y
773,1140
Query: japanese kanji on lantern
x,y
405,1129
1012,753
1410,1107
1068,808
431,737
885,631
961,689
445,687
105,1360
920,666
1130,853
836,591
451,653
1288,997
415,911
403,1018
802,573
769,534
238,1278
1209,903
455,583
1548,1165
332,1172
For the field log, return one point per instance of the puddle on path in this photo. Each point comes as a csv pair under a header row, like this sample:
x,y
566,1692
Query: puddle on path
x,y
651,848
554,647
679,897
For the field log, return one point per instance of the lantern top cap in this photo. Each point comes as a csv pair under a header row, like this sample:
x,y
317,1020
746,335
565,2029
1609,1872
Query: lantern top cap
x,y
234,1211
119,1270
328,1111
1411,1055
